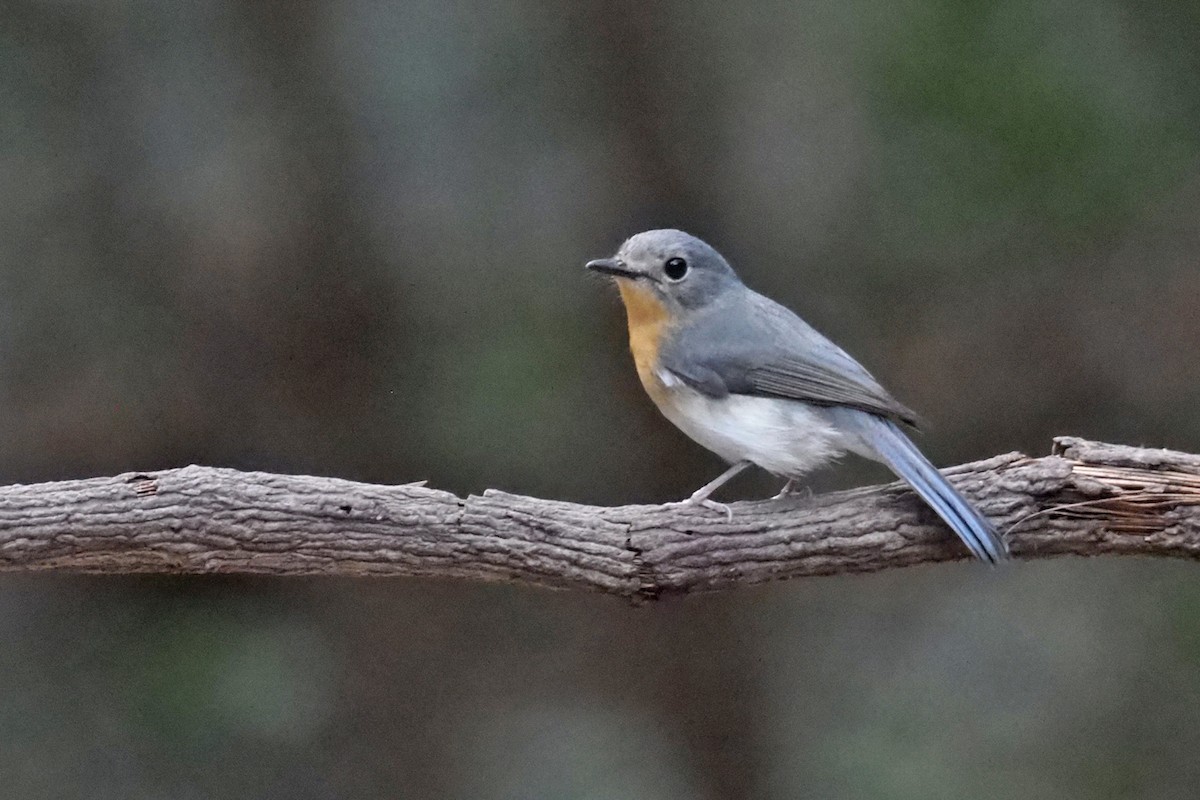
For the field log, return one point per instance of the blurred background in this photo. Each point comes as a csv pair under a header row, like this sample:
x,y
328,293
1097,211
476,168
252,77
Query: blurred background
x,y
347,238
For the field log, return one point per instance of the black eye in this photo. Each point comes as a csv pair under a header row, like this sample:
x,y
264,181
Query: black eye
x,y
675,268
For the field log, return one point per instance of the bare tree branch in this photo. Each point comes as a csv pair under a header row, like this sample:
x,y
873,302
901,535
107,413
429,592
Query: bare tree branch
x,y
1087,498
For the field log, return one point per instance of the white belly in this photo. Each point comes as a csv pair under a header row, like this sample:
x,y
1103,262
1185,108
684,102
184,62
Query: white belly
x,y
785,437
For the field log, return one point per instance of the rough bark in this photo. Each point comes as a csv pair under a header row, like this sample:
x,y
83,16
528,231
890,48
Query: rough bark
x,y
1086,498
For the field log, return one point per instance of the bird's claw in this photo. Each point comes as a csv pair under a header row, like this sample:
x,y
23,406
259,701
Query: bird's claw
x,y
704,502
789,490
718,507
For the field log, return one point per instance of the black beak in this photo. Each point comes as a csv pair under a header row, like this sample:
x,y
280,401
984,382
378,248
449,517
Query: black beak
x,y
612,266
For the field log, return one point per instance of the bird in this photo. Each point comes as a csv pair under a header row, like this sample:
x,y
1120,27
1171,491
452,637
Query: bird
x,y
751,381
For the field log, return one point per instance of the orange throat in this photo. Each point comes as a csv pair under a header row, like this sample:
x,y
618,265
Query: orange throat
x,y
648,320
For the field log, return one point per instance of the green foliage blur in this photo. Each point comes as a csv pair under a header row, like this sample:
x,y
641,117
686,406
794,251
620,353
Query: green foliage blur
x,y
347,238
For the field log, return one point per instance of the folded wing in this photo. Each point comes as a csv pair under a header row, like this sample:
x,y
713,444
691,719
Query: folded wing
x,y
764,350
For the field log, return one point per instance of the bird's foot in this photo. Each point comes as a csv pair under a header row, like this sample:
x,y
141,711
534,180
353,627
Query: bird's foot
x,y
789,490
720,508
704,502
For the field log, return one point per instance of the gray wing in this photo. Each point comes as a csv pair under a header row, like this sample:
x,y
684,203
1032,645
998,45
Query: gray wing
x,y
751,345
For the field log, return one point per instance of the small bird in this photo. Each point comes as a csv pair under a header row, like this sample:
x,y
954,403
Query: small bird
x,y
752,382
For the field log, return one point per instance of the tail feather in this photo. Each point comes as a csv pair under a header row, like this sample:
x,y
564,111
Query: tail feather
x,y
892,447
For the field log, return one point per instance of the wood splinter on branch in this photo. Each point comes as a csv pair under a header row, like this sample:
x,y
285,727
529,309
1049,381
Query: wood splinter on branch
x,y
1087,498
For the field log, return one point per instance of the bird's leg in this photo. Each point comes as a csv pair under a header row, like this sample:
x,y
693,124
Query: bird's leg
x,y
700,496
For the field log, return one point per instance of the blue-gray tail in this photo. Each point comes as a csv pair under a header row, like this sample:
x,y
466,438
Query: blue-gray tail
x,y
893,448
